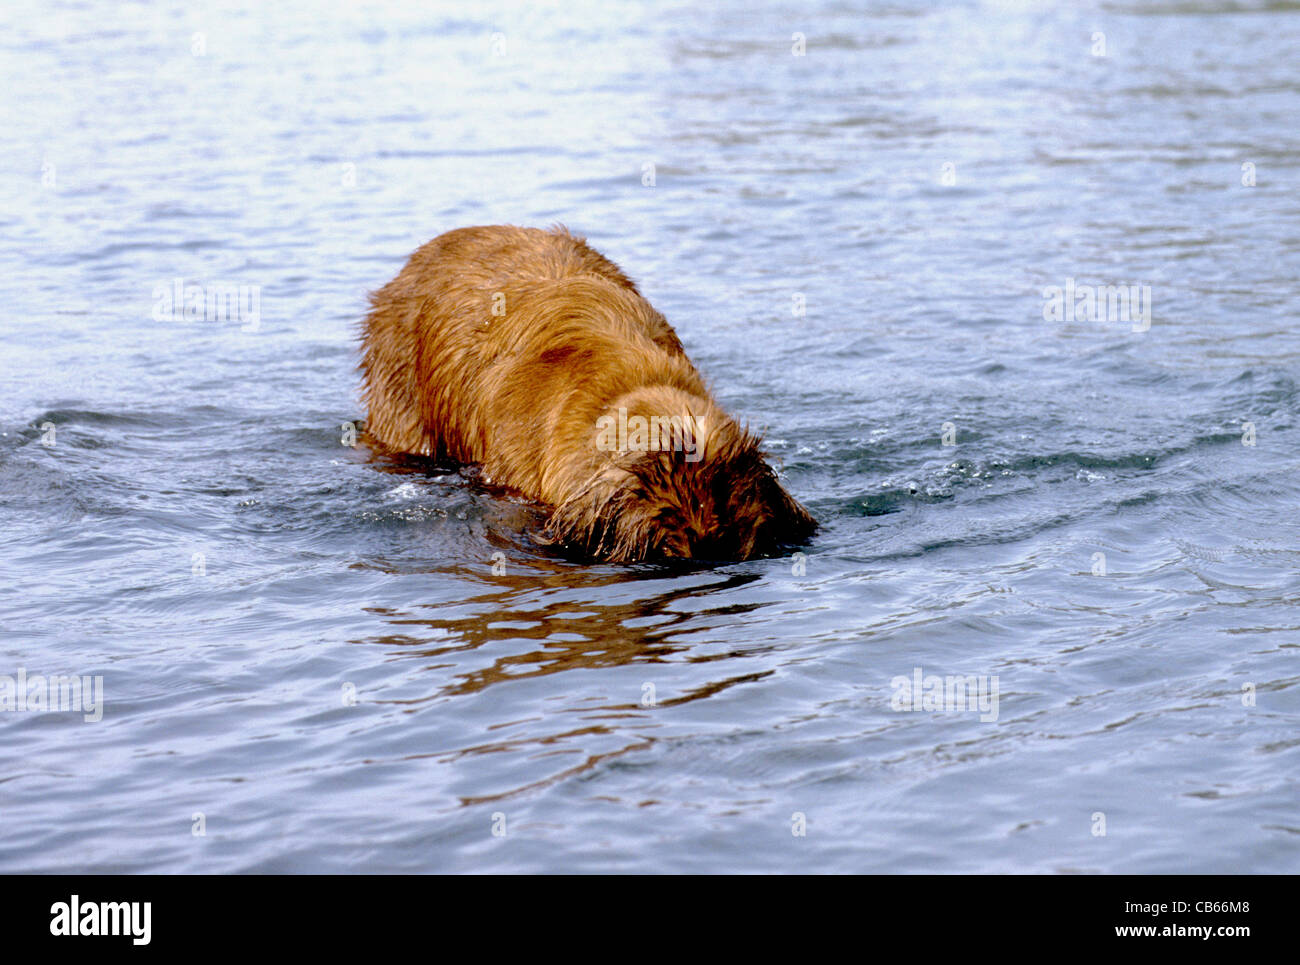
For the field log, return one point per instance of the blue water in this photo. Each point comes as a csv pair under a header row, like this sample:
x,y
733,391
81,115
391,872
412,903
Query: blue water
x,y
327,663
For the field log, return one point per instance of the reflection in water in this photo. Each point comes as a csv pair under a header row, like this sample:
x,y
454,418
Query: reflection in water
x,y
568,635
553,635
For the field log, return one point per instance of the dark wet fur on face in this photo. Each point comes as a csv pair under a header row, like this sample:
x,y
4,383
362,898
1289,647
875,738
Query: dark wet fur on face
x,y
728,506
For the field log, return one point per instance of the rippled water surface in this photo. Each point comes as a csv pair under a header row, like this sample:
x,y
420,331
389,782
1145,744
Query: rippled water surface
x,y
327,663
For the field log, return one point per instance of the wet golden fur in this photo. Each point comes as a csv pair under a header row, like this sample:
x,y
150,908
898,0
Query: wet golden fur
x,y
506,346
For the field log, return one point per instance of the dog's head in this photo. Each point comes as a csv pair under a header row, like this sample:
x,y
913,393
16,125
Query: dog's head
x,y
714,497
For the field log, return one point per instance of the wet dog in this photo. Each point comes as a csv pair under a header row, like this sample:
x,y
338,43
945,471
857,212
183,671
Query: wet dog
x,y
529,353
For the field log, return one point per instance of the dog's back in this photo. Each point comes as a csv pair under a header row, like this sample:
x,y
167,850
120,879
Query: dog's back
x,y
473,302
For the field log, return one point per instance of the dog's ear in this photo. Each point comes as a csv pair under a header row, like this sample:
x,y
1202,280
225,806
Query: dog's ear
x,y
606,517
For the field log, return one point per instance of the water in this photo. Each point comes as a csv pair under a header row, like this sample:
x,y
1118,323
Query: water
x,y
197,535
